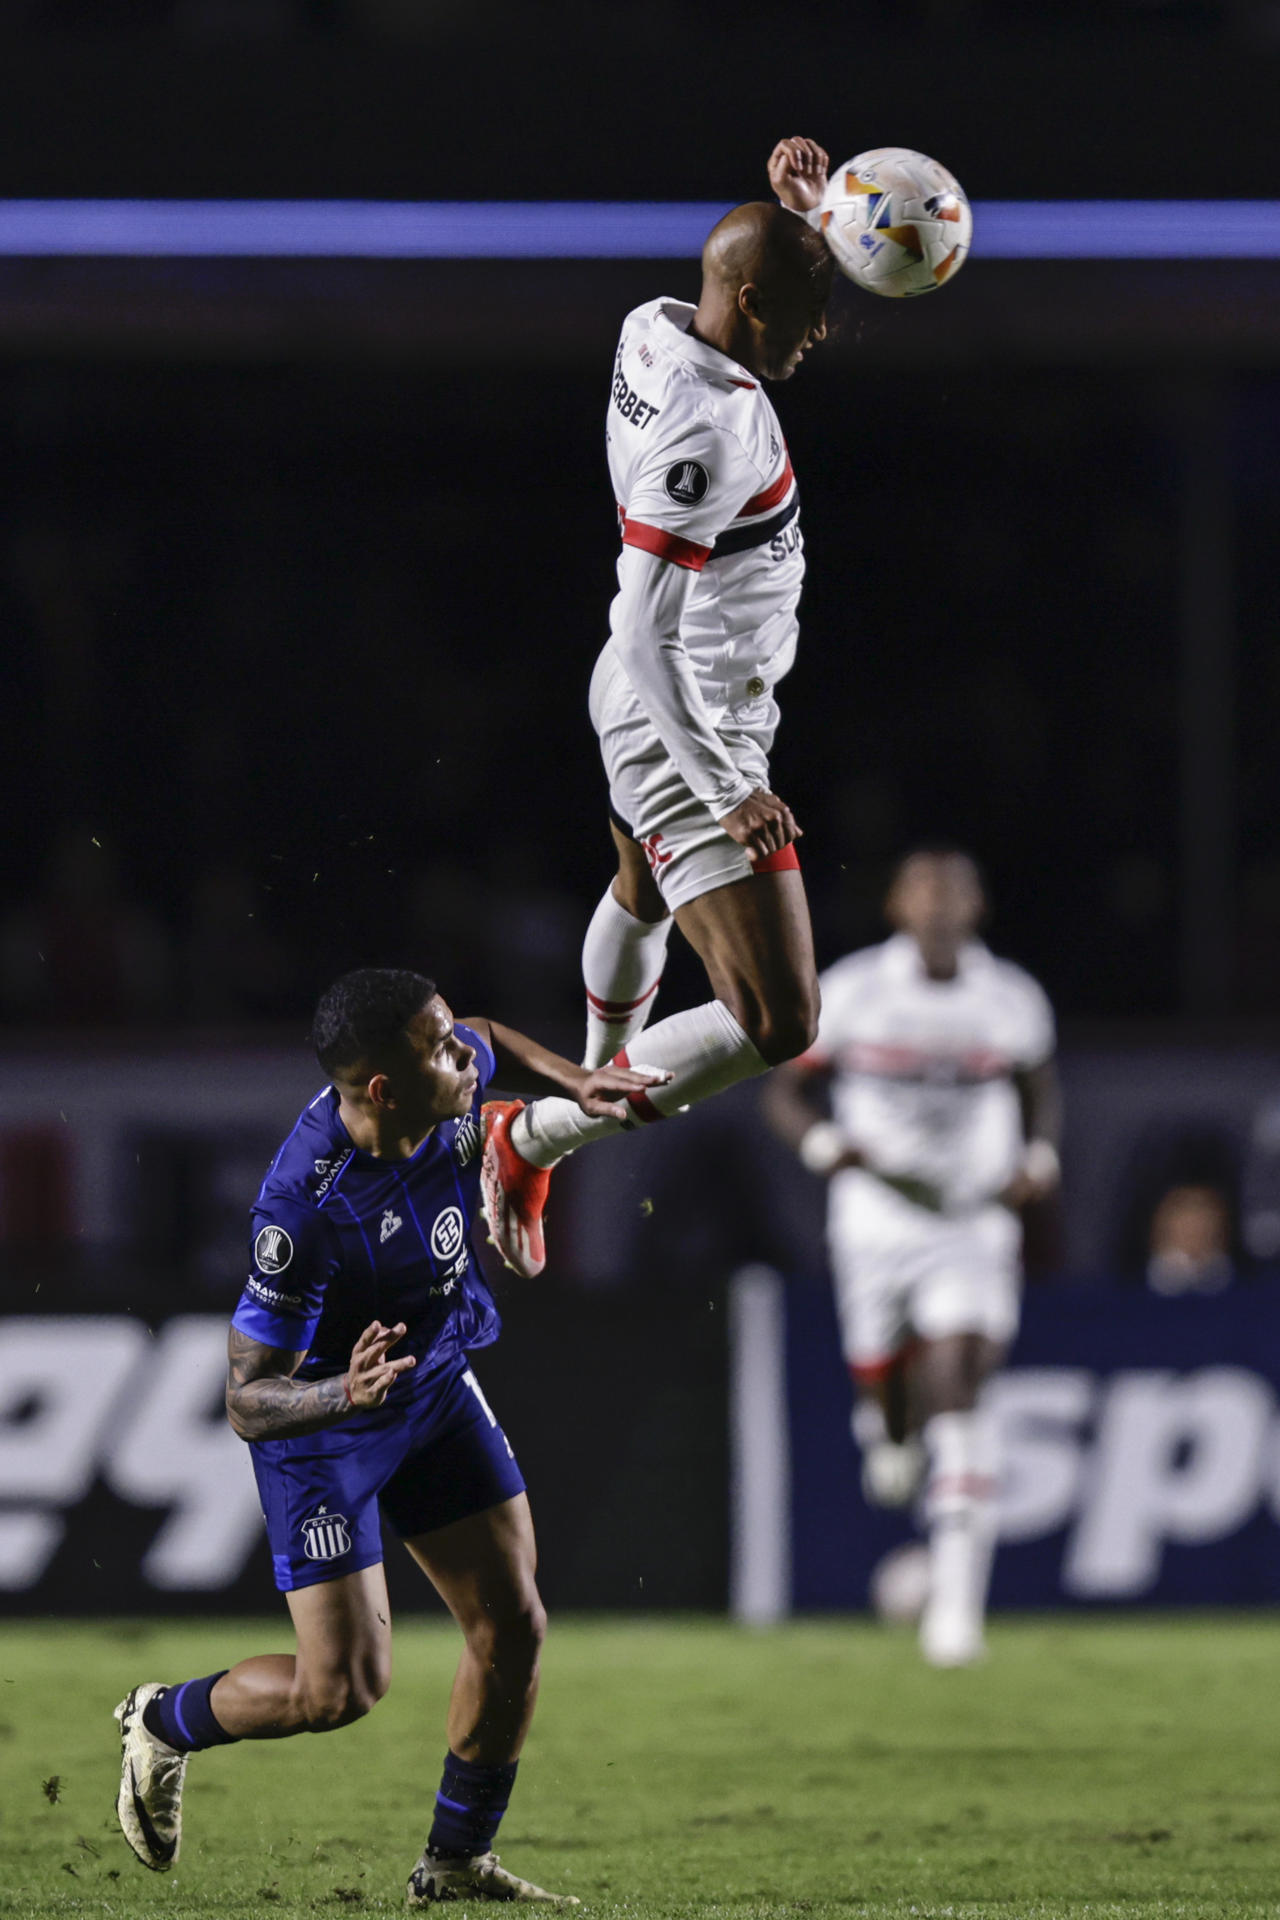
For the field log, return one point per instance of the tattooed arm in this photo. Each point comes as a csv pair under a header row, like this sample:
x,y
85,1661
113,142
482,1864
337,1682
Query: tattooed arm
x,y
265,1402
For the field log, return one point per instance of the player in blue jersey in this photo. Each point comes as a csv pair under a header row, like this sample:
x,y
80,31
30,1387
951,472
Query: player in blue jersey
x,y
348,1376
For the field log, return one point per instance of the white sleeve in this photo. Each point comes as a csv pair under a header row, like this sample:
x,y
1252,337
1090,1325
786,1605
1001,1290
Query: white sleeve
x,y
646,633
1037,1035
840,989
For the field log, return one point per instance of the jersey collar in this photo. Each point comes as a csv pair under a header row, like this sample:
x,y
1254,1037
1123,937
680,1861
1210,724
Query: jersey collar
x,y
904,958
672,323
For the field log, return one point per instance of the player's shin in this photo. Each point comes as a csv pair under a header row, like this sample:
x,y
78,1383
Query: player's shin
x,y
622,961
704,1049
469,1807
183,1716
960,1513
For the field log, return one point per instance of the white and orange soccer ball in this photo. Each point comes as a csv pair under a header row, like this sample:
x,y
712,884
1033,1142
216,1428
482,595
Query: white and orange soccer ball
x,y
896,221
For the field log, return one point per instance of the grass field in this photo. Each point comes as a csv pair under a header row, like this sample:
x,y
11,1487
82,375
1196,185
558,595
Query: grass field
x,y
1105,1767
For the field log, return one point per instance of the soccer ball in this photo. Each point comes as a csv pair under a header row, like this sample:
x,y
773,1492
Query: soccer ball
x,y
897,222
900,1583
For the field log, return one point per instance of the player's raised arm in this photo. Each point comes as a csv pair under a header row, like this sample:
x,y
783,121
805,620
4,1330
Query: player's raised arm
x,y
523,1066
265,1402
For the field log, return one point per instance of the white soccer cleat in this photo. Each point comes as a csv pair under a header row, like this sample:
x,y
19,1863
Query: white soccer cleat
x,y
951,1637
149,1805
482,1877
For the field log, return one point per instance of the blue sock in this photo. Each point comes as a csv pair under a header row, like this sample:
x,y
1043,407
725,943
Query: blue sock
x,y
183,1717
469,1805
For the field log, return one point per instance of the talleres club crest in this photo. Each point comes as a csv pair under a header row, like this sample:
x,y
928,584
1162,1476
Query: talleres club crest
x,y
325,1536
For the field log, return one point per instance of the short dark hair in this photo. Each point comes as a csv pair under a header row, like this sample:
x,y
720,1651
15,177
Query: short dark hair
x,y
362,1015
939,850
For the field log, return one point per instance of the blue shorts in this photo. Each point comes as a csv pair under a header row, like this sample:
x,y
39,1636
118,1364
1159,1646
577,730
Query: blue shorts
x,y
434,1456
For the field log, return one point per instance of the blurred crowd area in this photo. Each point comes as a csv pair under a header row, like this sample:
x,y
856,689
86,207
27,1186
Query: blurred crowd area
x,y
301,655
417,19
426,18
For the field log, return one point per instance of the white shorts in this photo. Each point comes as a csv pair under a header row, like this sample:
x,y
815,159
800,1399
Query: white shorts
x,y
689,852
941,1277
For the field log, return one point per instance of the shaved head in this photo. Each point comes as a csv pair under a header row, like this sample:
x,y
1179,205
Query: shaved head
x,y
761,244
766,279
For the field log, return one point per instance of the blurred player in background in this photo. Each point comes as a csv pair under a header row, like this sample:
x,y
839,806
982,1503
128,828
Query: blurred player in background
x,y
944,1123
702,629
362,1245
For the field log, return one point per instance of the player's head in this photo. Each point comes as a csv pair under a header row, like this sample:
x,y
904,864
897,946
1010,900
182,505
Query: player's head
x,y
937,895
387,1041
768,273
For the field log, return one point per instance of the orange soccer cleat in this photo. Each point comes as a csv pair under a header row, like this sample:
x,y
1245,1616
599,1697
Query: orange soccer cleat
x,y
513,1191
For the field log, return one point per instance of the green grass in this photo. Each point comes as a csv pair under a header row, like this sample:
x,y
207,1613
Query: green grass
x,y
1103,1767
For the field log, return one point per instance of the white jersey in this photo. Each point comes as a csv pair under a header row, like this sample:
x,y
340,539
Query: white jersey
x,y
702,479
924,1071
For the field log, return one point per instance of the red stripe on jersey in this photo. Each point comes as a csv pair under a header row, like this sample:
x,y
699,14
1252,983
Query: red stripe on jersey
x,y
761,502
784,861
606,1009
887,1061
750,385
667,546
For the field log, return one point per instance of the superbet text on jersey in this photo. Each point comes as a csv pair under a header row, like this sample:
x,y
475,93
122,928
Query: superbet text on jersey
x,y
702,477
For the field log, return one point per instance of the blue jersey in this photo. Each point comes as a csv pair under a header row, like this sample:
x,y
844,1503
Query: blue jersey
x,y
342,1239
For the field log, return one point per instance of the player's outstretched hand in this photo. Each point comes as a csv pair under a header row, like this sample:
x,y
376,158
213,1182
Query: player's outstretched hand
x,y
798,173
762,824
594,1092
371,1375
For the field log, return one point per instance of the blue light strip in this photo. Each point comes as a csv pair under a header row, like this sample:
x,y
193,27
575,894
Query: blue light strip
x,y
591,229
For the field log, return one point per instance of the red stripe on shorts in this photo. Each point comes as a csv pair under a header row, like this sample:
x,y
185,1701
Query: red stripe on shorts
x,y
785,861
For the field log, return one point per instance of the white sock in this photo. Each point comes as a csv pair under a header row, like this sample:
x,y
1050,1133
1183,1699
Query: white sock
x,y
622,960
705,1049
960,1513
867,1421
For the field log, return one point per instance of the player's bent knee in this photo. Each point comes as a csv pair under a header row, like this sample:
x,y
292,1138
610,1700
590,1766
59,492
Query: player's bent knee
x,y
787,1033
341,1698
511,1637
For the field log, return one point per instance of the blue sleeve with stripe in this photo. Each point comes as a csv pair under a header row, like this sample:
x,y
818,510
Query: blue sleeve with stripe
x,y
294,1257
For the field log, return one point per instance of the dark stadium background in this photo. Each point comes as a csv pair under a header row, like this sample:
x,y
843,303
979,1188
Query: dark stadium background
x,y
303,567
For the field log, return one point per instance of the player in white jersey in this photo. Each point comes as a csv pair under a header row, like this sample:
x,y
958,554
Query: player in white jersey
x,y
682,698
944,1123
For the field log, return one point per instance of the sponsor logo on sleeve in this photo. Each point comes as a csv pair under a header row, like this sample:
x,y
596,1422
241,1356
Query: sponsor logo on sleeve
x,y
271,1297
686,482
467,1140
273,1250
327,1172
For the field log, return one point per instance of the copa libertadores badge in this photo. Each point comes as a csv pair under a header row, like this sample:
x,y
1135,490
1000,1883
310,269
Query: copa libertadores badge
x,y
273,1250
686,482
